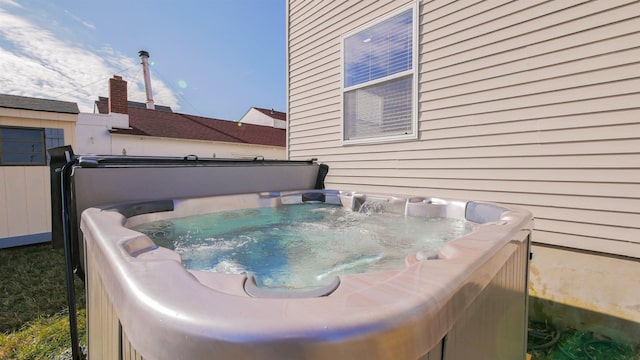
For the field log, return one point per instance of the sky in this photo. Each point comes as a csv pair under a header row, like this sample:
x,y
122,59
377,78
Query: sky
x,y
214,58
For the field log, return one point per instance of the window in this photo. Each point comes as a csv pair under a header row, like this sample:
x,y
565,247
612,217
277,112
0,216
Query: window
x,y
379,81
26,146
53,138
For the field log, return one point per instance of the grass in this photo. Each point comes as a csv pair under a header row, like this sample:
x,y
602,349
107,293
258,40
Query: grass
x,y
33,307
42,338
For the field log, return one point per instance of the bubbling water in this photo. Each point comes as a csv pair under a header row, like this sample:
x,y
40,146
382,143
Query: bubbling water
x,y
300,246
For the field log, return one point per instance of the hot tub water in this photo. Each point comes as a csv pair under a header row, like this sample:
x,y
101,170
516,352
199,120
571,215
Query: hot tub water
x,y
301,246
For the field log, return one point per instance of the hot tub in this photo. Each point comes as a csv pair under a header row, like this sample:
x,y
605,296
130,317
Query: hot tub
x,y
466,300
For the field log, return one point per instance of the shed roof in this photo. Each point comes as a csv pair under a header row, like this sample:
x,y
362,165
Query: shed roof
x,y
36,104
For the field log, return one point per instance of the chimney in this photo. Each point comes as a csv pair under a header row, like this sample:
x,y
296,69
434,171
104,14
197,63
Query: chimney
x,y
118,102
144,57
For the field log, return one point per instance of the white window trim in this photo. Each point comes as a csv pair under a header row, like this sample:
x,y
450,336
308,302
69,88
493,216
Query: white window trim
x,y
414,71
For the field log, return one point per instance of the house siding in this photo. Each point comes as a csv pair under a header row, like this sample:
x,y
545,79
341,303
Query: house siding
x,y
534,104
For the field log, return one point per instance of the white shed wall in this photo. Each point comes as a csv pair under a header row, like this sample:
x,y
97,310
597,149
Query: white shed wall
x,y
93,132
157,146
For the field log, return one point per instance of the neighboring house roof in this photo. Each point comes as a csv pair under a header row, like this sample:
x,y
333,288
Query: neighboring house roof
x,y
103,105
145,122
278,115
29,103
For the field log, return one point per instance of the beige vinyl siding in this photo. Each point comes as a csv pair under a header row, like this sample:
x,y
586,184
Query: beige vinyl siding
x,y
530,103
26,190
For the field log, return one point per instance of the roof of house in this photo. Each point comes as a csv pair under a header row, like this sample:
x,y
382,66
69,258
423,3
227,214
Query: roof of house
x,y
145,122
103,105
278,115
30,103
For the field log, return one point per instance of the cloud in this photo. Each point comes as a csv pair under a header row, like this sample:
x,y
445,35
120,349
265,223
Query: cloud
x,y
11,3
78,19
34,62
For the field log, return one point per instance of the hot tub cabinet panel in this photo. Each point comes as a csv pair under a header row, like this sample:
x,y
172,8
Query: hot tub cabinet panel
x,y
467,301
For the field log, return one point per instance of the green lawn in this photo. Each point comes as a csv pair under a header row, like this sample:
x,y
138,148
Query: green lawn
x,y
33,307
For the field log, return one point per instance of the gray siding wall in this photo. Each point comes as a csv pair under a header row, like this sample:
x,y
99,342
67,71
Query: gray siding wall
x,y
531,103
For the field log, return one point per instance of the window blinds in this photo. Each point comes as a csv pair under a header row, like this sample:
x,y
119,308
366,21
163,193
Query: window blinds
x,y
378,80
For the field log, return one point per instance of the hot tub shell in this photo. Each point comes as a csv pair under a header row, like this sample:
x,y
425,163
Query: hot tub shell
x,y
468,301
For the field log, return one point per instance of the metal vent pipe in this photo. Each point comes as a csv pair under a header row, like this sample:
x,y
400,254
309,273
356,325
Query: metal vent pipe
x,y
144,59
